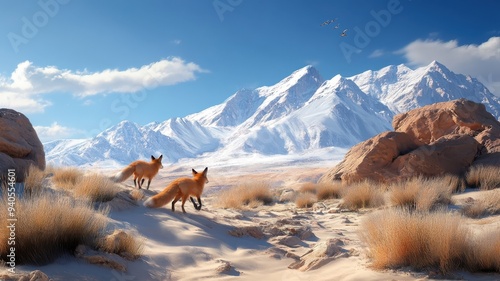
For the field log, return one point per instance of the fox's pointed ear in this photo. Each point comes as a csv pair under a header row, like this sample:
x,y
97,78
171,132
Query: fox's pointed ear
x,y
206,170
152,157
194,172
161,156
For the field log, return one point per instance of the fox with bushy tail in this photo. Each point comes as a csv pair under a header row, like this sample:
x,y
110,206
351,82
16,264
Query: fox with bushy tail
x,y
180,188
141,170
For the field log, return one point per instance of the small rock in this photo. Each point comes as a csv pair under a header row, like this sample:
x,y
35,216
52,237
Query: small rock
x,y
224,267
103,259
290,241
321,254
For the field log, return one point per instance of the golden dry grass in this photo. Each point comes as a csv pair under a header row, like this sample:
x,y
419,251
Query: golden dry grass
x,y
399,238
308,187
66,178
122,243
34,180
329,190
322,190
246,195
362,195
96,188
488,204
483,252
50,226
423,194
305,200
484,177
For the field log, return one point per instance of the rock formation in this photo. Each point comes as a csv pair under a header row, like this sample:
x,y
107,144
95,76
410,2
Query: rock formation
x,y
442,138
20,146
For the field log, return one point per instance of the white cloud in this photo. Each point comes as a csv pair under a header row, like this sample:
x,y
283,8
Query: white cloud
x,y
23,89
55,132
480,61
377,53
177,41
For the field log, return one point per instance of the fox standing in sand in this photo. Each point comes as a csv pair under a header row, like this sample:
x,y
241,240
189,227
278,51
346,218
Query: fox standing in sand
x,y
180,188
141,170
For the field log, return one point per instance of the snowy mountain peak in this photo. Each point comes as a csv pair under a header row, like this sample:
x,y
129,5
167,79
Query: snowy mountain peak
x,y
300,113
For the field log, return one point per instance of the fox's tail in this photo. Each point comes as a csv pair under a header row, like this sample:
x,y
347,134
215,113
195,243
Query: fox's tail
x,y
163,197
124,174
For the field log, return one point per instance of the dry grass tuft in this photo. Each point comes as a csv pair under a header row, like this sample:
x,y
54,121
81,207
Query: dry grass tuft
x,y
483,252
398,238
123,244
66,178
362,195
329,190
309,187
322,190
248,194
484,177
96,187
422,194
489,204
305,200
34,181
50,226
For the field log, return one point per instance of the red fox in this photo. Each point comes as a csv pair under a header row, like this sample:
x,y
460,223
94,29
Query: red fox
x,y
180,188
141,170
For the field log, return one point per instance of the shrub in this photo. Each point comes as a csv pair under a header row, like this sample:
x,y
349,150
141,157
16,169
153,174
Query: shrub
x,y
50,226
308,187
34,181
96,187
328,190
362,195
483,252
248,194
398,238
122,243
484,177
488,204
305,200
66,178
422,194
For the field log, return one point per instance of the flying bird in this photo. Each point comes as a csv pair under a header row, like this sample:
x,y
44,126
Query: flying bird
x,y
328,22
337,26
344,33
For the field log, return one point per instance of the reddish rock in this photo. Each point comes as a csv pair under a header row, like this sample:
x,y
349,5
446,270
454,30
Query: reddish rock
x,y
369,159
20,146
442,138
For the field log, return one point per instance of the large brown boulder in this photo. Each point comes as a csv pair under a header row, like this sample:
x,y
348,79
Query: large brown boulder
x,y
20,146
442,138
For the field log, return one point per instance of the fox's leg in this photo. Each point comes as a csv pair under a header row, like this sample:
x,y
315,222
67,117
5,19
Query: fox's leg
x,y
139,179
149,182
142,182
184,198
135,178
197,207
177,197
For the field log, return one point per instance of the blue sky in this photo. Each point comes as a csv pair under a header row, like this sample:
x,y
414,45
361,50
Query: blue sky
x,y
77,67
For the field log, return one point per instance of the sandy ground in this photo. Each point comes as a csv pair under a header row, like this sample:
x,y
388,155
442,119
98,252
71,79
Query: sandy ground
x,y
198,245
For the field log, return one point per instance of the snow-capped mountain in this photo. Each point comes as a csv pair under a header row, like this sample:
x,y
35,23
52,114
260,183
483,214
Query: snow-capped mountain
x,y
301,113
403,89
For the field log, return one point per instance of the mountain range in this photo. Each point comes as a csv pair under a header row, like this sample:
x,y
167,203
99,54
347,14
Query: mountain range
x,y
301,113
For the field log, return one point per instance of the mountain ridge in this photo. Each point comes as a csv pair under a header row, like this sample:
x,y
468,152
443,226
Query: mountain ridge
x,y
300,113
